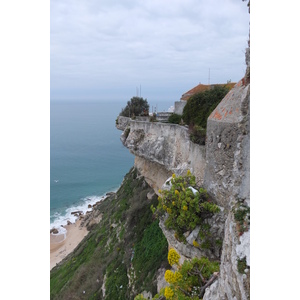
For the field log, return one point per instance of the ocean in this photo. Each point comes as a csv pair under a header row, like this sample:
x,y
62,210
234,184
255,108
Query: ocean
x,y
87,158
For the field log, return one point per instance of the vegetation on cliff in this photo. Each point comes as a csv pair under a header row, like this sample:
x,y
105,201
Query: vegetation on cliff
x,y
189,280
201,105
137,106
186,207
175,119
120,255
198,109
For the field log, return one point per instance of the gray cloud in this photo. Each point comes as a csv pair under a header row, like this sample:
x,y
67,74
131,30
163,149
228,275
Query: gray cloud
x,y
110,47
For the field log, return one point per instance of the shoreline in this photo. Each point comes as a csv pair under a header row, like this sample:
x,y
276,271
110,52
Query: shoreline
x,y
65,242
60,247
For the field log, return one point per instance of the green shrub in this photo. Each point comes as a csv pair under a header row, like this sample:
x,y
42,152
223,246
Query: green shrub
x,y
201,105
241,265
188,281
242,218
175,119
153,118
185,210
137,106
197,134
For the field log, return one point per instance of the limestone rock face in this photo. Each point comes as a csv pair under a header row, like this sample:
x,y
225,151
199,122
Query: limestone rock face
x,y
154,173
186,251
228,147
122,122
167,145
160,277
231,284
227,177
222,167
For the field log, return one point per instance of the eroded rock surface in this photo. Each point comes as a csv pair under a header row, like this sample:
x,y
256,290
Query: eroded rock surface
x,y
167,145
222,167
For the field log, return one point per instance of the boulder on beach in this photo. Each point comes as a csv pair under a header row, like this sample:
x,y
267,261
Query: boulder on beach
x,y
54,231
110,193
89,206
77,213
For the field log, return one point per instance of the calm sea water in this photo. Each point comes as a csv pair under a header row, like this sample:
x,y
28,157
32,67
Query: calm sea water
x,y
87,158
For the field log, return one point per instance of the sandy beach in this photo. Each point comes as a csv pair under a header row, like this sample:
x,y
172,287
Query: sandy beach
x,y
60,248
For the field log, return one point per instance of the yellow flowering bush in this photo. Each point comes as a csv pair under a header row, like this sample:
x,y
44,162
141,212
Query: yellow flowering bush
x,y
169,276
196,244
168,293
189,281
173,257
186,207
172,277
177,276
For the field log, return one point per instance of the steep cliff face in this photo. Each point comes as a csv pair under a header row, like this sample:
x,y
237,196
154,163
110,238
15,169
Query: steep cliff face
x,y
167,147
112,261
228,147
222,167
227,177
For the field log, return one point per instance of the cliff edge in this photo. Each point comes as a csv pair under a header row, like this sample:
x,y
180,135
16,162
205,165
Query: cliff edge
x,y
222,167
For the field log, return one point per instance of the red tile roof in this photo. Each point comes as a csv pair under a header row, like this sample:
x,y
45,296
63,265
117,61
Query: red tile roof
x,y
203,87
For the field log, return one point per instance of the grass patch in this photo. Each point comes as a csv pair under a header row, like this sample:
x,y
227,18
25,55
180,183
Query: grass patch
x,y
107,249
241,265
147,256
242,218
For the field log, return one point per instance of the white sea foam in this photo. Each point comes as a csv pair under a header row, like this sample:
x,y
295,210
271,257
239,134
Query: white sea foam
x,y
61,219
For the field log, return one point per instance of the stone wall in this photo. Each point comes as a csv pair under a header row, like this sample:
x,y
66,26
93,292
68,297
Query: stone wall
x,y
179,106
163,116
167,145
222,166
227,177
227,147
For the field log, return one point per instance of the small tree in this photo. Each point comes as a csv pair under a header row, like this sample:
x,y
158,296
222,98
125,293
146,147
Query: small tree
x,y
137,106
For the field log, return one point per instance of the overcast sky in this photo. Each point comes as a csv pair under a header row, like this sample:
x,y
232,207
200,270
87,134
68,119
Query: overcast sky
x,y
159,49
